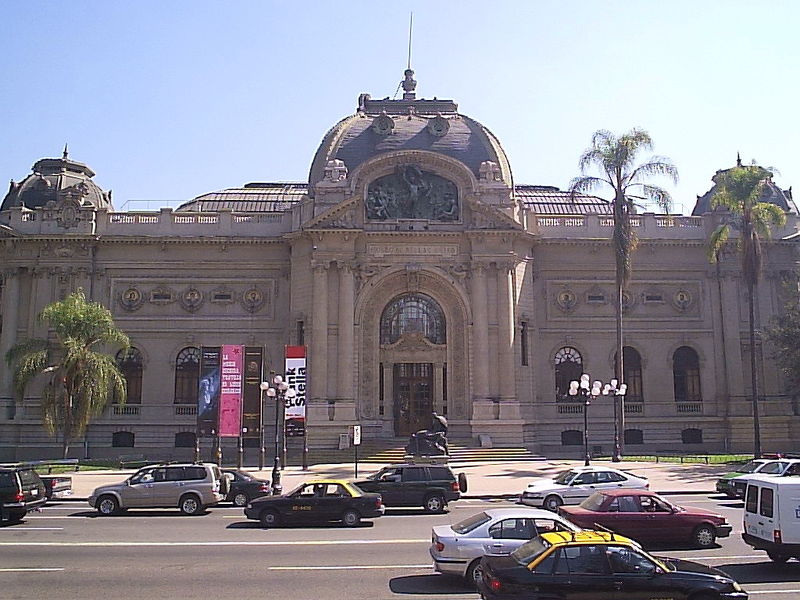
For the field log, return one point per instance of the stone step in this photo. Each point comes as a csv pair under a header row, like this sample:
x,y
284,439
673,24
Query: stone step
x,y
382,454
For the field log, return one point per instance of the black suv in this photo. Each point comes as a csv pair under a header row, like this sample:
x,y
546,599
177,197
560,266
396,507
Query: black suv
x,y
21,490
428,486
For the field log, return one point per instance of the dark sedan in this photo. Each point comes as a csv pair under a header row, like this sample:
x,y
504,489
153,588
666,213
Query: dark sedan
x,y
598,566
244,487
648,518
320,501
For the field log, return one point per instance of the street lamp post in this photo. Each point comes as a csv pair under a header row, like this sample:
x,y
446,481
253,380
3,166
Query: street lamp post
x,y
618,391
587,392
278,389
263,386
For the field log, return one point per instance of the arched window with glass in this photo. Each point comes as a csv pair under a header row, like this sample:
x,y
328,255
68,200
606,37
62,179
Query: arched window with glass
x,y
632,363
686,375
413,313
187,375
568,367
130,364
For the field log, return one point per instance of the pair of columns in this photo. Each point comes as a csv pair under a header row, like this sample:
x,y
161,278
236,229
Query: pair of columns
x,y
10,316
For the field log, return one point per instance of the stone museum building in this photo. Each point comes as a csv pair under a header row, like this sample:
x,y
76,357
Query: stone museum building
x,y
420,276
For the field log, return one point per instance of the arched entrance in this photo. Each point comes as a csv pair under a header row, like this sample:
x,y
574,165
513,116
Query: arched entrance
x,y
413,338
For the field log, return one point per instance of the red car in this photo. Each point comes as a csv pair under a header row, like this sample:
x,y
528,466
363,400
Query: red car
x,y
648,518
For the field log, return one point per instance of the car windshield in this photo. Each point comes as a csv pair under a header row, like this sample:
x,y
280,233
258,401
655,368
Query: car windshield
x,y
593,502
530,550
749,467
564,477
470,523
378,475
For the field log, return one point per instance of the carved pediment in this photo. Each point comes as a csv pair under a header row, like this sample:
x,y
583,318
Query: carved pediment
x,y
412,342
342,216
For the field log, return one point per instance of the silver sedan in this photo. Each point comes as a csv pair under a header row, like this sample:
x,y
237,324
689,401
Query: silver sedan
x,y
457,549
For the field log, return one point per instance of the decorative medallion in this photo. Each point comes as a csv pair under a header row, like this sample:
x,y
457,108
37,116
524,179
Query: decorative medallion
x,y
682,300
131,299
411,193
383,124
566,300
192,299
438,126
253,299
628,300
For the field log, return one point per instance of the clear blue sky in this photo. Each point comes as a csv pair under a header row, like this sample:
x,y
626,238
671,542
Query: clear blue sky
x,y
167,100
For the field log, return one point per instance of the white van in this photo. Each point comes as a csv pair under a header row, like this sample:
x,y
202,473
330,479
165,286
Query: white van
x,y
772,516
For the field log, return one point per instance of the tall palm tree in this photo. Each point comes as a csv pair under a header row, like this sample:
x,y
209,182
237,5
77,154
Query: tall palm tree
x,y
739,190
79,379
616,160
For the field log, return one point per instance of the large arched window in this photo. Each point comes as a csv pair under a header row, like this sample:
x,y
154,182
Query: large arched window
x,y
632,363
413,313
187,376
569,367
686,375
130,364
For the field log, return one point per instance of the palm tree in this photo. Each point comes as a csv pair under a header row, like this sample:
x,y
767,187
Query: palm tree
x,y
616,160
80,380
739,190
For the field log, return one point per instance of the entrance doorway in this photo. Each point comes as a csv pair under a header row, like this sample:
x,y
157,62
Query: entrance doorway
x,y
413,397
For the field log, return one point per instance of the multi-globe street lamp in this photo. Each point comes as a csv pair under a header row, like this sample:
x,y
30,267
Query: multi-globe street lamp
x,y
279,390
618,390
588,393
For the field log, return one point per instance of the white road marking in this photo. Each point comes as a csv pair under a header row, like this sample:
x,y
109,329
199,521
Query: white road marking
x,y
348,567
220,543
33,529
30,569
773,592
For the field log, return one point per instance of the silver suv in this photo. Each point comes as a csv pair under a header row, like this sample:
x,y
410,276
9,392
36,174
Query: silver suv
x,y
188,486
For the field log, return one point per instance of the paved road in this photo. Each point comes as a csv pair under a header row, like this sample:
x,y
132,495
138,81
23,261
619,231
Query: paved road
x,y
67,552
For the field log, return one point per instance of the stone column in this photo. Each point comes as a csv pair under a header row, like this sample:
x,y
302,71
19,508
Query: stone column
x,y
319,332
345,350
438,388
11,307
505,333
480,333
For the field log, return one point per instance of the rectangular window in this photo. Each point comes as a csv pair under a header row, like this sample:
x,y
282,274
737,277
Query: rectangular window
x,y
767,501
380,390
301,333
524,342
595,298
751,502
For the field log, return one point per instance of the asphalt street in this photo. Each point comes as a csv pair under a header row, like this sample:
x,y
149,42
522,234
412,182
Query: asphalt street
x,y
66,551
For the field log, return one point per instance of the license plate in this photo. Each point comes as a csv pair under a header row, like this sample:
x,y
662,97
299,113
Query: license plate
x,y
34,492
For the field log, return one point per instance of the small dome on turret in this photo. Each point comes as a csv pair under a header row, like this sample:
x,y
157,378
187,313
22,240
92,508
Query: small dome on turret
x,y
53,179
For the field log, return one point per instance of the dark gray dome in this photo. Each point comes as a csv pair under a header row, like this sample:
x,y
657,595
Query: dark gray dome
x,y
54,178
381,126
772,194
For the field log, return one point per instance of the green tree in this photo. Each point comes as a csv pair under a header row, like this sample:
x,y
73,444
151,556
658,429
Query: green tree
x,y
739,190
616,161
79,379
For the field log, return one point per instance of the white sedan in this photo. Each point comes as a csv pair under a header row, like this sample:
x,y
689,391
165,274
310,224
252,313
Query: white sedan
x,y
575,485
457,549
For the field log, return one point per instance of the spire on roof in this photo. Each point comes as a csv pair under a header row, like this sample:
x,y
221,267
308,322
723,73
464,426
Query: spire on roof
x,y
409,85
738,160
65,156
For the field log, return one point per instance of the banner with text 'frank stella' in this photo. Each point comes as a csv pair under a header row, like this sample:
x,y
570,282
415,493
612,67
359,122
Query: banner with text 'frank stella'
x,y
295,422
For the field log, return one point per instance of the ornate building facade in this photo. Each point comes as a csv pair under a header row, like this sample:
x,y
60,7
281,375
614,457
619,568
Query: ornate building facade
x,y
420,277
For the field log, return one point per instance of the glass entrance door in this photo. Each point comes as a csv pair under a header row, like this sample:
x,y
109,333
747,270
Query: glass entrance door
x,y
413,397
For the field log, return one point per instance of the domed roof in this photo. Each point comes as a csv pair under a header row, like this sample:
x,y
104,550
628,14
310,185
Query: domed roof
x,y
381,126
53,179
772,194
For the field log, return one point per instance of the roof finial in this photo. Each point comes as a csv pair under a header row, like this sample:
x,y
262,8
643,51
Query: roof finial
x,y
66,152
409,84
738,160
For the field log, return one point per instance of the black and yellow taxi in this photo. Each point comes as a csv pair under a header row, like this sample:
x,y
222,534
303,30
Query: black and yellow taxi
x,y
598,565
317,501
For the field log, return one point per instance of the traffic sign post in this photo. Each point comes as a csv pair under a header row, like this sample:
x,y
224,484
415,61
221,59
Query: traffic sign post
x,y
356,443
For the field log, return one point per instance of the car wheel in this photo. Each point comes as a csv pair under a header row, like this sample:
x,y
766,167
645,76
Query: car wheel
x,y
704,536
15,516
269,518
434,503
703,596
240,499
107,506
351,518
474,573
552,502
777,558
462,482
190,504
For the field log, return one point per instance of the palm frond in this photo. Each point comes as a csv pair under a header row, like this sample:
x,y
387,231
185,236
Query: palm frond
x,y
585,184
658,196
765,216
717,240
656,166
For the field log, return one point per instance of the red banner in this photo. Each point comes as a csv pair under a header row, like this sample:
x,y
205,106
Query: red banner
x,y
230,405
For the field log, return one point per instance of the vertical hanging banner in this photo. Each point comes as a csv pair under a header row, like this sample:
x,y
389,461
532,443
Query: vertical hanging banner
x,y
295,423
230,402
208,392
251,395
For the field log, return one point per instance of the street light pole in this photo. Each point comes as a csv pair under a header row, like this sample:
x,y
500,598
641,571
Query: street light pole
x,y
587,392
263,386
279,390
618,391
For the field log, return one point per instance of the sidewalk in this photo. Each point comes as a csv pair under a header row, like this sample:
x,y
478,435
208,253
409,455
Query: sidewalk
x,y
485,480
